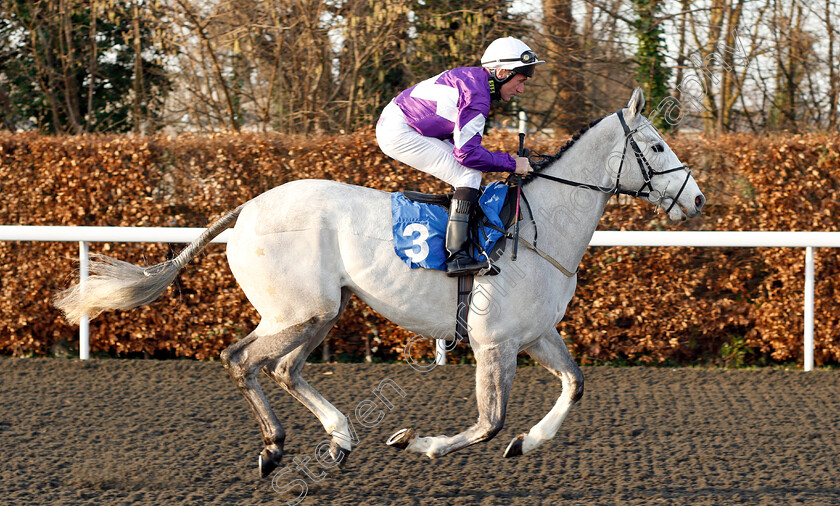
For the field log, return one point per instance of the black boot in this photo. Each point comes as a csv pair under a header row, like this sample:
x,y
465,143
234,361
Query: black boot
x,y
459,261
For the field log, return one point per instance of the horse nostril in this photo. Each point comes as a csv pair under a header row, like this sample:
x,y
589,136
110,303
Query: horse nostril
x,y
699,201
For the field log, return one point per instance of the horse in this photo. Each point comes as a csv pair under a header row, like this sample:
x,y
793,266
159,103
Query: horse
x,y
301,249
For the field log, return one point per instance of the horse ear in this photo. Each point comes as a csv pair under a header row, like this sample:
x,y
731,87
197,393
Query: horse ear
x,y
637,102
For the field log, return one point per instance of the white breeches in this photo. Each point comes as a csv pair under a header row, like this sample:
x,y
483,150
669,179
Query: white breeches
x,y
402,143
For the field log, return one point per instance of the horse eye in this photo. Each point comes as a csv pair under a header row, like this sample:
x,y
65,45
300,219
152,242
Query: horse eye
x,y
658,148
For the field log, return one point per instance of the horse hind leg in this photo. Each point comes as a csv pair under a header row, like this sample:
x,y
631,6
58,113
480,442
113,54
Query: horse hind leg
x,y
495,368
286,371
261,349
551,352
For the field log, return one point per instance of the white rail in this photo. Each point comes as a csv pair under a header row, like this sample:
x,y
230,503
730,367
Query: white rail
x,y
807,240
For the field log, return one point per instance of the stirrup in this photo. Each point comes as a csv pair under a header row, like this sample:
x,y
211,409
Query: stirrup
x,y
491,270
462,264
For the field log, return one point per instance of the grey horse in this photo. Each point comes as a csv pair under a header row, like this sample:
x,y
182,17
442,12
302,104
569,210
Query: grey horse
x,y
300,250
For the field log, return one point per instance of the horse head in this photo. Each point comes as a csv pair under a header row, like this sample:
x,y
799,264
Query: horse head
x,y
643,165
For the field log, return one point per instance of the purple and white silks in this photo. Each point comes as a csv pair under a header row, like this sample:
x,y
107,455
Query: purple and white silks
x,y
451,107
455,104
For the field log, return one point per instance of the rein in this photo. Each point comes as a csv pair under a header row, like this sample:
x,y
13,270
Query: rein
x,y
533,247
647,174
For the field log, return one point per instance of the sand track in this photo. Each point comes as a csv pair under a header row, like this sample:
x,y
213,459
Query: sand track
x,y
178,432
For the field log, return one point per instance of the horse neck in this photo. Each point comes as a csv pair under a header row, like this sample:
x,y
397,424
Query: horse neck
x,y
567,216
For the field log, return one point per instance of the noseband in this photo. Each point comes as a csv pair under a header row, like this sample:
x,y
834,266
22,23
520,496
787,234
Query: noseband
x,y
647,172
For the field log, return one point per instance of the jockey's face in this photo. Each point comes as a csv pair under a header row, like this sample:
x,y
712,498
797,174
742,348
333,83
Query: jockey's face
x,y
514,87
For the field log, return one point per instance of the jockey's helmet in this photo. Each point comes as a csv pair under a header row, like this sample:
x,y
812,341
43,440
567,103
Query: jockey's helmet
x,y
512,54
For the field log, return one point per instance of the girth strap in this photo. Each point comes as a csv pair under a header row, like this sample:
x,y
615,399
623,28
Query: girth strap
x,y
465,286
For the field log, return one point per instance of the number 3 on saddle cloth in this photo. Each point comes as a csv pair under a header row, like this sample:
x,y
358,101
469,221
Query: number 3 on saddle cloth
x,y
419,224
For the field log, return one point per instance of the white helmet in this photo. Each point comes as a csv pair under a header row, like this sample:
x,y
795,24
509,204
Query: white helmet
x,y
510,53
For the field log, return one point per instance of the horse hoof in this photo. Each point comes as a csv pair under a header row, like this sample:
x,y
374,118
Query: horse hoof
x,y
514,449
268,462
401,439
338,454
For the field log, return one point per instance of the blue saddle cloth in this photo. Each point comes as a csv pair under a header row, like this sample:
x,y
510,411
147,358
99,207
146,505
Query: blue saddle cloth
x,y
420,229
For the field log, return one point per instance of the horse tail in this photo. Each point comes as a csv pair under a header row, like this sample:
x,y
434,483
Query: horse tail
x,y
115,284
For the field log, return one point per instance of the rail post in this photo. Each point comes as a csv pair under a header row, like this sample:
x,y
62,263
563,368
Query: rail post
x,y
808,351
440,351
84,332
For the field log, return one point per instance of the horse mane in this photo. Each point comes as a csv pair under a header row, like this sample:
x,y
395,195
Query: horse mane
x,y
540,161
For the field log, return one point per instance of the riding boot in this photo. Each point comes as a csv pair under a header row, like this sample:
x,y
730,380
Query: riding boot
x,y
459,261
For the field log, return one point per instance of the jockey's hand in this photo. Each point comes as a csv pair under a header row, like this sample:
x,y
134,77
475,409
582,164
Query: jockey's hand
x,y
523,166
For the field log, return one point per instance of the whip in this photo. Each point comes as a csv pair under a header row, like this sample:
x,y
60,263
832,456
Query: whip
x,y
521,152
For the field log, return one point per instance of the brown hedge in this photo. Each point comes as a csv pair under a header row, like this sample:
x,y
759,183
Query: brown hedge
x,y
648,305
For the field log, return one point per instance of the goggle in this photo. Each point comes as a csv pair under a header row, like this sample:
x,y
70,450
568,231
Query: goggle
x,y
527,57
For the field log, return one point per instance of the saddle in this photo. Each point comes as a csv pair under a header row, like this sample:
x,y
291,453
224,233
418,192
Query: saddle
x,y
478,219
478,222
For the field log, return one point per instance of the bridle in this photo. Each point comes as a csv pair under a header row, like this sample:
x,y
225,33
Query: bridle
x,y
647,172
647,175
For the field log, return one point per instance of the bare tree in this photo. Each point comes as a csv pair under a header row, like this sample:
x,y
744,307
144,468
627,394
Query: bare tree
x,y
371,31
565,60
833,79
294,66
793,53
319,66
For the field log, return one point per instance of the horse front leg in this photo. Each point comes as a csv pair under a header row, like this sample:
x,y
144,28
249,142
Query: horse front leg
x,y
551,352
495,368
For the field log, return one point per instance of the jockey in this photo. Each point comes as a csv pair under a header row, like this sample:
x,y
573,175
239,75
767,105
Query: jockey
x,y
437,125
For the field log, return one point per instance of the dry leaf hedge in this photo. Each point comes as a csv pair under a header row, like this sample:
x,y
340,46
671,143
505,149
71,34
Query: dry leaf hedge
x,y
641,305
